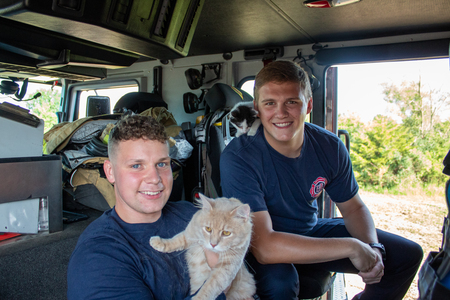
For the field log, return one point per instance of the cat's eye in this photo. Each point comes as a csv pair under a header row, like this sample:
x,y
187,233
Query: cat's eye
x,y
226,233
208,229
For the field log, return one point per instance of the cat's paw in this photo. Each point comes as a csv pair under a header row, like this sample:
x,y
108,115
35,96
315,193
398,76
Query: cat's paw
x,y
157,243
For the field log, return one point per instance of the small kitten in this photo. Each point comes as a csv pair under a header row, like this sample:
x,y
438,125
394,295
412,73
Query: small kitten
x,y
242,116
223,225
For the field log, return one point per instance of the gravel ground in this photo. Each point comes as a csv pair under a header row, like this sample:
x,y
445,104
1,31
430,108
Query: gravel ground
x,y
417,217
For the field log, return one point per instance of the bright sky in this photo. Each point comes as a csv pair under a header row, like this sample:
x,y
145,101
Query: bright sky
x,y
360,90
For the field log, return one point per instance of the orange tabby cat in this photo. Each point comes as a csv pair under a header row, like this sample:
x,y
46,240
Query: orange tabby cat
x,y
224,226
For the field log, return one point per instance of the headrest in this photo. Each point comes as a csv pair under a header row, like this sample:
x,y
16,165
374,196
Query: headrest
x,y
138,102
221,95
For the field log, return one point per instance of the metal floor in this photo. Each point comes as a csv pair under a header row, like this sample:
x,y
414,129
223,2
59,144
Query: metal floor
x,y
35,266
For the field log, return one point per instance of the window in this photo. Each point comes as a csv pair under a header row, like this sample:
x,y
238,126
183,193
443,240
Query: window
x,y
42,100
114,93
247,84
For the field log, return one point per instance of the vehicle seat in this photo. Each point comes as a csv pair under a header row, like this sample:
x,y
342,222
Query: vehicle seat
x,y
220,99
314,282
138,102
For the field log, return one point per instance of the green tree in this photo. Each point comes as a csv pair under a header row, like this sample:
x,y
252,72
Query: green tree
x,y
409,102
380,152
391,155
46,106
417,107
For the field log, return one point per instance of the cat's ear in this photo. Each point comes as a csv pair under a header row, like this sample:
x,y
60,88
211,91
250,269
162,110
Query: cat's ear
x,y
206,205
242,211
254,113
255,105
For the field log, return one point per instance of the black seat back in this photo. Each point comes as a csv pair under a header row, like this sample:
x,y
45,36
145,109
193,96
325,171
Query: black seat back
x,y
220,99
138,102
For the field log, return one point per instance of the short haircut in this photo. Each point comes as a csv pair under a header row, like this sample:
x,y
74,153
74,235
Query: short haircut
x,y
135,127
282,71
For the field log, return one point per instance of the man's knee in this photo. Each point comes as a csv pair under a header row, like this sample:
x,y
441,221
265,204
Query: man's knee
x,y
416,253
402,253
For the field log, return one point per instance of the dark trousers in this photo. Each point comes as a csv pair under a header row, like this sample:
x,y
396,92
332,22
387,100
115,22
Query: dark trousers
x,y
403,258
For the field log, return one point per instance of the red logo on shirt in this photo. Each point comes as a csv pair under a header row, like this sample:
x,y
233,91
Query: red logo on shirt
x,y
317,187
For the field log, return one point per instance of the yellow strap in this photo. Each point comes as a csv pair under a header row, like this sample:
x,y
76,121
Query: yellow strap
x,y
238,92
44,147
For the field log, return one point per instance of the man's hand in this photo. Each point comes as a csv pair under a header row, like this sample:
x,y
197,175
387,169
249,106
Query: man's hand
x,y
376,273
364,257
212,258
369,262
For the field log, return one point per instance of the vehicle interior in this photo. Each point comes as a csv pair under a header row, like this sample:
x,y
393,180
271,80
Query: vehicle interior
x,y
176,52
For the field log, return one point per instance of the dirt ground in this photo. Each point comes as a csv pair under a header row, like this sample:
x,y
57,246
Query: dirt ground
x,y
417,217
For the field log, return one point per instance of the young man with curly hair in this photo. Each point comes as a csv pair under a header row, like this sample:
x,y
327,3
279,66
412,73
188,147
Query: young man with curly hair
x,y
113,258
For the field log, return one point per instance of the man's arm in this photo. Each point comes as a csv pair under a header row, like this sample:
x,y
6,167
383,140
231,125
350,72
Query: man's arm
x,y
269,247
104,273
111,273
358,219
359,224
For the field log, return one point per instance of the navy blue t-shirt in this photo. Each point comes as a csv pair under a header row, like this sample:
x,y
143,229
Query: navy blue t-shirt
x,y
252,171
114,260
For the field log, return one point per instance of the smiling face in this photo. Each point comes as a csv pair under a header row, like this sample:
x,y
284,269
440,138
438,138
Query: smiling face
x,y
282,108
142,177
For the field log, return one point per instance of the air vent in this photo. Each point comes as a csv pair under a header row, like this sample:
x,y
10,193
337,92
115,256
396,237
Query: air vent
x,y
270,53
164,18
69,4
121,12
187,23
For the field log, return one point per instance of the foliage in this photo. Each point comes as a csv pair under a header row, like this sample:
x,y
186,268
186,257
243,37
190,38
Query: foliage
x,y
418,108
46,106
396,156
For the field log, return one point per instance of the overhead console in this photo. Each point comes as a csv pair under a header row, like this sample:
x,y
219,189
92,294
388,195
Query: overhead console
x,y
76,34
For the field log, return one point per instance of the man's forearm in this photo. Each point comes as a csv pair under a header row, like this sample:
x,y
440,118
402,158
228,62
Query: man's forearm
x,y
358,220
281,247
360,225
269,246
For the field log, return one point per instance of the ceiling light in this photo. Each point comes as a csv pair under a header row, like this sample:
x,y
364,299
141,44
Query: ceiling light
x,y
327,3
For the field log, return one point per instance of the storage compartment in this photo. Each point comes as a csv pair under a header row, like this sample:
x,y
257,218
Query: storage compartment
x,y
32,178
21,133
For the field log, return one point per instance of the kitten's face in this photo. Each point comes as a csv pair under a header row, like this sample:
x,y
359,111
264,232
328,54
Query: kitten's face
x,y
242,117
224,223
240,126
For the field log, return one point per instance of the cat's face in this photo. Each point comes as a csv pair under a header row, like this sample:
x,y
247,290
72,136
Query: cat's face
x,y
224,223
242,117
242,126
